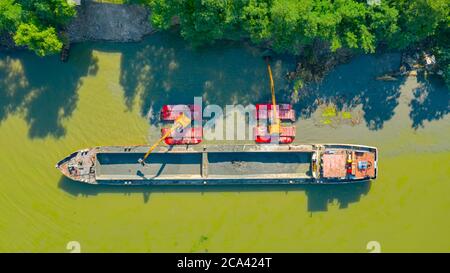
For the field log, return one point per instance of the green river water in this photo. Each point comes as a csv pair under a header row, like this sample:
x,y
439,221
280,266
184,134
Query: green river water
x,y
110,94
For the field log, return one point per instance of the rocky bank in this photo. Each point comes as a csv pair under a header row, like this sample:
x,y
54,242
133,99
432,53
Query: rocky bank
x,y
109,22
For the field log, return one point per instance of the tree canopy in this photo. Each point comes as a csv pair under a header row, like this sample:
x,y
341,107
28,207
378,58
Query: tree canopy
x,y
290,24
41,41
35,24
10,15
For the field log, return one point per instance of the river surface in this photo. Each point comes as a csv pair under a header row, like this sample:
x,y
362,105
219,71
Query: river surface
x,y
110,94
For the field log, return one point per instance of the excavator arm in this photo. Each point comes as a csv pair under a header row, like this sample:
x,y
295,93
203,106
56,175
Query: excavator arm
x,y
181,122
274,128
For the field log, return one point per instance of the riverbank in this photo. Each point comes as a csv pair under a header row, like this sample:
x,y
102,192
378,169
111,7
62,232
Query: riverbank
x,y
130,23
97,21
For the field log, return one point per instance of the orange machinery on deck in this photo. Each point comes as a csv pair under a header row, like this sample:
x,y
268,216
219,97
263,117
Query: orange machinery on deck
x,y
269,116
342,163
283,112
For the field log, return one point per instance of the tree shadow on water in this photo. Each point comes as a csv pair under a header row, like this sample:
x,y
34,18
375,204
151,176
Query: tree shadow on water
x,y
319,196
165,70
350,85
431,101
44,90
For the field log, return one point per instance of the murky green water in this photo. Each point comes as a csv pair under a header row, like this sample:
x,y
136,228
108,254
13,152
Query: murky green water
x,y
110,94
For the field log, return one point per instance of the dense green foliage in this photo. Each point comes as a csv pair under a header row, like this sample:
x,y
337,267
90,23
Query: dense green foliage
x,y
34,24
292,25
442,51
10,15
42,42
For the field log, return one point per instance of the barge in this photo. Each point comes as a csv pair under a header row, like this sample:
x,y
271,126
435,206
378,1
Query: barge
x,y
222,164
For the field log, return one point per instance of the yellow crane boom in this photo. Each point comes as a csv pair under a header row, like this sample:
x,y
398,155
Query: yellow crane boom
x,y
274,128
181,122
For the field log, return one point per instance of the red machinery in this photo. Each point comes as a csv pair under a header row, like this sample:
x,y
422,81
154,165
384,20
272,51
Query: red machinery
x,y
191,135
287,134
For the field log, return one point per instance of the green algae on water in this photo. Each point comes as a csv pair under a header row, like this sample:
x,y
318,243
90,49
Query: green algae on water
x,y
103,96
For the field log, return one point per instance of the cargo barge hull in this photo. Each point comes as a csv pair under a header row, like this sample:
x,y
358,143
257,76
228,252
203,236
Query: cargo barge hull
x,y
222,164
